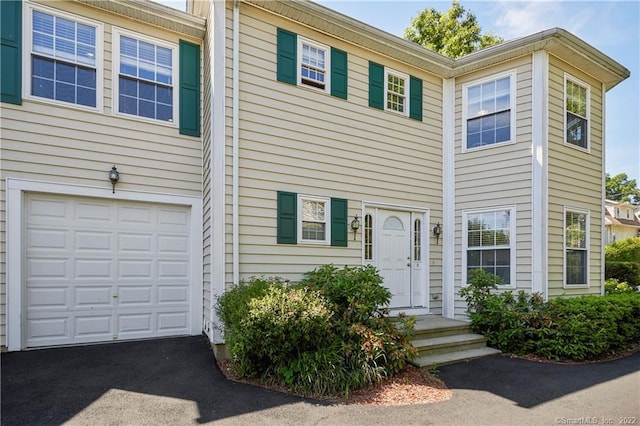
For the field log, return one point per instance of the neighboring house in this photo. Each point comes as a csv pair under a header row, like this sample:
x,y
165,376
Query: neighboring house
x,y
309,120
620,221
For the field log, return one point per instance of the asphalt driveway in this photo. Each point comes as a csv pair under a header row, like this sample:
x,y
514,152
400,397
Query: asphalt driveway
x,y
175,381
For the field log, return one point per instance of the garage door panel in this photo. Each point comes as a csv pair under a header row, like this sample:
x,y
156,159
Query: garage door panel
x,y
140,325
94,327
93,212
173,244
173,294
135,269
136,215
47,239
135,243
90,297
172,322
103,270
93,241
48,297
135,295
53,269
95,269
173,269
173,217
48,331
48,210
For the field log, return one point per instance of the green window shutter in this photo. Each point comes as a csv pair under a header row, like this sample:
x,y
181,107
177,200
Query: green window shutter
x,y
11,51
189,88
287,56
376,85
339,79
415,98
287,217
338,222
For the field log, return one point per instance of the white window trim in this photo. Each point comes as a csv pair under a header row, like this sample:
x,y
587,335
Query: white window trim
x,y
327,64
564,246
27,37
115,75
512,242
512,74
581,83
327,218
407,94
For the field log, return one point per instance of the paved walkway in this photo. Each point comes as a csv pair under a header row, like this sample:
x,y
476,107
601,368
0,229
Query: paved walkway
x,y
175,382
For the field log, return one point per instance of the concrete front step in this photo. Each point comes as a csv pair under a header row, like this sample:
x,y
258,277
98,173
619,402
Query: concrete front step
x,y
429,361
449,343
432,326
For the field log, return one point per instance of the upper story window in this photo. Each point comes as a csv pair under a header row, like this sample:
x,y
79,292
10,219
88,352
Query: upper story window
x,y
576,247
313,214
396,91
390,90
65,58
577,113
489,112
313,64
146,74
304,62
489,243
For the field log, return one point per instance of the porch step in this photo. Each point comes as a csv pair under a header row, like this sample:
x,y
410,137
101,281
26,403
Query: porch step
x,y
428,361
449,343
442,341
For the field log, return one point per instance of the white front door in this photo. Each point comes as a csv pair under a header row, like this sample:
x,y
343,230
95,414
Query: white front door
x,y
394,255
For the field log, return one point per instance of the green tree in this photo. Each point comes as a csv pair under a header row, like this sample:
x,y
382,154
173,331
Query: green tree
x,y
621,188
453,33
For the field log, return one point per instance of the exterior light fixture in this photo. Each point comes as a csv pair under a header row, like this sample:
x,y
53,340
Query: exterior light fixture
x,y
355,225
437,231
114,177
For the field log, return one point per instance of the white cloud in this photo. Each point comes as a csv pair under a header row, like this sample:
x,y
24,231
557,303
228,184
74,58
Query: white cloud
x,y
516,18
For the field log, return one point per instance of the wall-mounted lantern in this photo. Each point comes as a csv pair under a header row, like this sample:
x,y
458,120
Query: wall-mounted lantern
x,y
114,177
437,231
355,225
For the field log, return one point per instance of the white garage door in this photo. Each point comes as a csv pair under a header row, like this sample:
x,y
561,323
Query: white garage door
x,y
101,270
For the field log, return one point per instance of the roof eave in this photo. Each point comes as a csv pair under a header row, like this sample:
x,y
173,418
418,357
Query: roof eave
x,y
556,41
153,13
356,32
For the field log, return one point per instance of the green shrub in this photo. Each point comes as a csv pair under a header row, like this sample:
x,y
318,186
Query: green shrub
x,y
327,335
623,271
625,250
614,286
564,328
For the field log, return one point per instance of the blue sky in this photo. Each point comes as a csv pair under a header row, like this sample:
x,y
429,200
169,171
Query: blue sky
x,y
612,27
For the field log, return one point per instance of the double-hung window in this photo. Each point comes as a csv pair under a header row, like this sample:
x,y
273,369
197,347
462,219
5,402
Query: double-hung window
x,y
396,91
489,114
576,247
145,72
65,62
489,243
577,113
313,64
314,226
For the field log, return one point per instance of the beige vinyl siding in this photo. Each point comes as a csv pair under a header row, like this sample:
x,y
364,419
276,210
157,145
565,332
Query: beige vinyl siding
x,y
204,9
301,140
228,191
63,144
575,179
497,176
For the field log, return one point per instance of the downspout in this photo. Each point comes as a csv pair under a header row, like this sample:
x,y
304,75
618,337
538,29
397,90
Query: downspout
x,y
235,226
604,192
